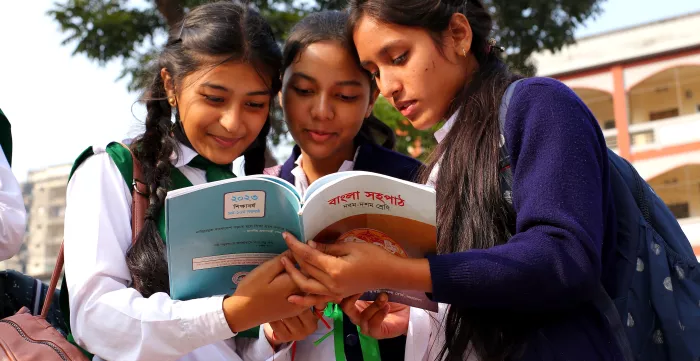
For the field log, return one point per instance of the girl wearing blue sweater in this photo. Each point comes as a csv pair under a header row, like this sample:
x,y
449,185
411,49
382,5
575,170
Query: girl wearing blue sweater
x,y
517,269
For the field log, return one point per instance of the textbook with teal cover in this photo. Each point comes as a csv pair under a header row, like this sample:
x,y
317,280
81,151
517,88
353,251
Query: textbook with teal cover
x,y
218,232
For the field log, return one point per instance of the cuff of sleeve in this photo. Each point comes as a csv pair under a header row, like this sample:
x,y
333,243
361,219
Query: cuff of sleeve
x,y
451,277
209,323
261,350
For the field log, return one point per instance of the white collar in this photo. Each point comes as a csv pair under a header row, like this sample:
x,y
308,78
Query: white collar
x,y
441,133
301,182
346,166
183,154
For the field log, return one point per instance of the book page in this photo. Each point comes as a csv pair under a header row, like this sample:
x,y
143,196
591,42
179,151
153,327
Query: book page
x,y
216,235
321,182
280,181
396,215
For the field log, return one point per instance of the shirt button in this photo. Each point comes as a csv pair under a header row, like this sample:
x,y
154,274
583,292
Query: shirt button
x,y
351,340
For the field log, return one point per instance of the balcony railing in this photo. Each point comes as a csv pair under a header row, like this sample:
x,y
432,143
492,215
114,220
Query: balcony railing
x,y
664,133
610,138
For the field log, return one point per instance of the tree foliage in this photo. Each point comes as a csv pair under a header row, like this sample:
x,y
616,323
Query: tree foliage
x,y
133,32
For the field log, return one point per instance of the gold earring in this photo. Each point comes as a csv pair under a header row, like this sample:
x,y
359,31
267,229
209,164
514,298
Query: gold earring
x,y
172,101
464,52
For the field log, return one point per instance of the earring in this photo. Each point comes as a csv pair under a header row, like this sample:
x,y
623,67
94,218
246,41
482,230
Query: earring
x,y
172,101
464,52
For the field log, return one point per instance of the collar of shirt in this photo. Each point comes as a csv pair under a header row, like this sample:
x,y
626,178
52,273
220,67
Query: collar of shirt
x,y
182,155
441,133
301,182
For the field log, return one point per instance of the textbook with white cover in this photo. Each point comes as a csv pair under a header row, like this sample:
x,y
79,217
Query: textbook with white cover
x,y
218,232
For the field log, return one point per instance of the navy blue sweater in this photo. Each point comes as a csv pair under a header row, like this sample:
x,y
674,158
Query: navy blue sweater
x,y
565,229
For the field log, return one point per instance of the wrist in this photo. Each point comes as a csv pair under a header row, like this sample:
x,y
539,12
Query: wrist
x,y
235,313
409,274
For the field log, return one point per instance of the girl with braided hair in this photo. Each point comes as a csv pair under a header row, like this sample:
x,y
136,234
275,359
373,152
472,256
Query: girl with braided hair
x,y
216,77
526,218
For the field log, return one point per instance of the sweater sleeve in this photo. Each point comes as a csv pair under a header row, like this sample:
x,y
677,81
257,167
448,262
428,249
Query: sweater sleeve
x,y
559,168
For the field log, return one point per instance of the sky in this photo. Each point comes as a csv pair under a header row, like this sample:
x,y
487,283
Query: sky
x,y
59,104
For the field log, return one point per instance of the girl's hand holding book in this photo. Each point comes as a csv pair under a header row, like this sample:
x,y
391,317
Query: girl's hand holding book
x,y
261,297
291,329
379,319
336,270
343,270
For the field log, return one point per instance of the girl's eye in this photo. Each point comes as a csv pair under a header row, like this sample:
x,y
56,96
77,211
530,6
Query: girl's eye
x,y
255,105
400,59
214,99
347,98
303,91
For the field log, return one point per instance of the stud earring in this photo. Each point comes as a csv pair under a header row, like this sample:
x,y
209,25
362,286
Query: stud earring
x,y
464,52
172,101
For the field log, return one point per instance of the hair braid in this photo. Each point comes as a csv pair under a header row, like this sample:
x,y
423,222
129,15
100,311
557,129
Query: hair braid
x,y
153,149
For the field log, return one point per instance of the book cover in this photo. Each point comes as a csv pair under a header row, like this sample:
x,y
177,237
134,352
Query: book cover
x,y
218,233
396,215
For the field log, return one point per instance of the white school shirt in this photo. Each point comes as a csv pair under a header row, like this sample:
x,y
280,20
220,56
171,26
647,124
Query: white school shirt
x,y
13,215
115,322
419,324
301,182
440,135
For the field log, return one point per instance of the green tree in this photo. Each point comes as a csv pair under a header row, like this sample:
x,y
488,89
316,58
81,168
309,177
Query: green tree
x,y
409,140
133,32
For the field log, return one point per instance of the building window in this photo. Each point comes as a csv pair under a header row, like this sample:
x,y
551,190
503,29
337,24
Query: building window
x,y
680,210
609,124
57,193
663,114
56,211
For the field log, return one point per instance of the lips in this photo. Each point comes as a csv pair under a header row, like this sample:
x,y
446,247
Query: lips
x,y
319,136
406,108
225,142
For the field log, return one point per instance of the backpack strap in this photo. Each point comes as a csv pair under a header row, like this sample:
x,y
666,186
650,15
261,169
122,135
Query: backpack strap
x,y
505,102
138,211
505,173
139,195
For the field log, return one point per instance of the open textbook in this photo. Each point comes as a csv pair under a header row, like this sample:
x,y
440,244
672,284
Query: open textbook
x,y
218,232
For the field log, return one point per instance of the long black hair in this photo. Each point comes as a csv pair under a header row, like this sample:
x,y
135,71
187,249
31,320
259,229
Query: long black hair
x,y
472,213
216,30
331,25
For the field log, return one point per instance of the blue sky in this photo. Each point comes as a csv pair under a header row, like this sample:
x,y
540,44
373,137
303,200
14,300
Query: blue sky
x,y
60,104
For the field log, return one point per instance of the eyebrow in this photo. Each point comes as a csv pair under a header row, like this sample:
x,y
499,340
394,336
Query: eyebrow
x,y
384,50
341,83
223,88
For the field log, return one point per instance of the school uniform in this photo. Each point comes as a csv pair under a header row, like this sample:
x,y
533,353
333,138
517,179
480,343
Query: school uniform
x,y
564,241
13,216
113,321
414,346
